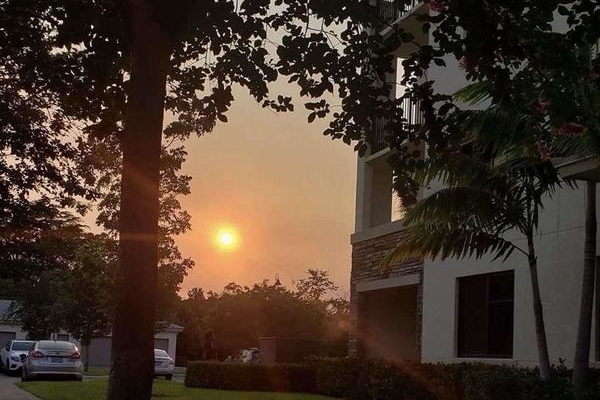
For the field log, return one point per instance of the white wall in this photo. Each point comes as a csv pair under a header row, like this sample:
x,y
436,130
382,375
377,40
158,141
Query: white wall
x,y
559,247
172,337
21,335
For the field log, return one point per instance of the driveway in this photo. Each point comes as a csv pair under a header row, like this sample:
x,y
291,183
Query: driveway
x,y
10,391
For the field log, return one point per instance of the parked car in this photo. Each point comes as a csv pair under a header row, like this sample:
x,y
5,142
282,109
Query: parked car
x,y
52,358
10,355
164,365
250,356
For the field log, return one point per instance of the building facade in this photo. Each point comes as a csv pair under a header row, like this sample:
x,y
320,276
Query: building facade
x,y
458,310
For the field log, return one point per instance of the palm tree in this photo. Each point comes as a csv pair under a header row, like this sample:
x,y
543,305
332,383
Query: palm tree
x,y
481,203
579,135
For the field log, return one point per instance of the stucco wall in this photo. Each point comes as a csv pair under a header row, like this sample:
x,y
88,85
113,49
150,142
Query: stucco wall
x,y
20,334
559,247
172,338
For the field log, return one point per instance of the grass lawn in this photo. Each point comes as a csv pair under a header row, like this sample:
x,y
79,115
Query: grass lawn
x,y
95,389
97,371
104,371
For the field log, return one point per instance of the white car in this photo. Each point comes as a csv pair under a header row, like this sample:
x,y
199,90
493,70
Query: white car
x,y
10,355
52,358
250,356
163,364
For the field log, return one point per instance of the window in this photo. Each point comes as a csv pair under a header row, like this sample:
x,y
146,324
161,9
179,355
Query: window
x,y
22,345
160,353
54,345
485,315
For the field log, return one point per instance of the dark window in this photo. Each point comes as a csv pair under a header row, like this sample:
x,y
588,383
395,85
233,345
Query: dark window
x,y
55,345
22,346
485,315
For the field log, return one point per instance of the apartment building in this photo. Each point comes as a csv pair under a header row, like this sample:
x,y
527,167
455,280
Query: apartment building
x,y
459,310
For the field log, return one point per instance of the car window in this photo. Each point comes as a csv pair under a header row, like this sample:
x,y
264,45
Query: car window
x,y
55,345
22,346
160,353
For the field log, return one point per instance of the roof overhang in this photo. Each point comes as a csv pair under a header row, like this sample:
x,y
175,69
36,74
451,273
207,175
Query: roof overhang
x,y
586,168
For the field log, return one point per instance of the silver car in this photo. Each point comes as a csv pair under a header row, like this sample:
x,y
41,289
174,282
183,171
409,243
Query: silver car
x,y
10,355
55,358
163,364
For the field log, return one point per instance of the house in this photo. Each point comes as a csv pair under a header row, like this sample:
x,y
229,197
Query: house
x,y
164,340
459,310
9,328
99,350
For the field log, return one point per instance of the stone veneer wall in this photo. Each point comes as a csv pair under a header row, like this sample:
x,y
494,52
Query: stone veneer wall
x,y
366,257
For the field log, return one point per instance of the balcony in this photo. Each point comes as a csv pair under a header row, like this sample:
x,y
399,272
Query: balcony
x,y
412,117
390,11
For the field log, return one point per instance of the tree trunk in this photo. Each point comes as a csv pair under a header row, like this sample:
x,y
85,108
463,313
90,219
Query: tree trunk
x,y
132,369
582,349
538,312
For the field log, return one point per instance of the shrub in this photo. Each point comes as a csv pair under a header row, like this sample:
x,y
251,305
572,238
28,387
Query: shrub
x,y
360,379
251,377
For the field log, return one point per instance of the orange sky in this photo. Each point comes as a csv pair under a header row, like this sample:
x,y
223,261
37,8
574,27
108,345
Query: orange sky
x,y
288,190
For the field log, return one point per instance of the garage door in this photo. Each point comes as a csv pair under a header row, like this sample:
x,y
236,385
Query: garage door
x,y
162,344
6,337
100,352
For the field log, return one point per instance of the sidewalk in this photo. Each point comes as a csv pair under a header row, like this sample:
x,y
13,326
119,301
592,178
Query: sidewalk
x,y
10,391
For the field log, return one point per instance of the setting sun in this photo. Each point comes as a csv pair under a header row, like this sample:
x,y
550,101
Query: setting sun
x,y
226,239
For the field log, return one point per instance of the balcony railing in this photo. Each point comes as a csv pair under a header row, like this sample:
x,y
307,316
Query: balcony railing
x,y
412,116
392,10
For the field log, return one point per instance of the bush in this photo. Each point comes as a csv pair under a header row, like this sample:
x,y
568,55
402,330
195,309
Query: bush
x,y
251,377
360,379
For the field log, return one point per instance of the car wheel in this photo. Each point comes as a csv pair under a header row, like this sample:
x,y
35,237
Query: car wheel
x,y
168,377
79,378
7,369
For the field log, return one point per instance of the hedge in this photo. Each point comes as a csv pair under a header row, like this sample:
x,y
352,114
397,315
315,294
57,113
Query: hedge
x,y
359,379
252,377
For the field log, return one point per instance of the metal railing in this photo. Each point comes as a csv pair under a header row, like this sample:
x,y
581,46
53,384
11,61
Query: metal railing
x,y
392,10
412,117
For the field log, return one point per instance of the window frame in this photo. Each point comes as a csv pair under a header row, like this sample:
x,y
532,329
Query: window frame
x,y
459,336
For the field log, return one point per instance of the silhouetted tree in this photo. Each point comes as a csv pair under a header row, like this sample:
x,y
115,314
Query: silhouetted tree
x,y
115,61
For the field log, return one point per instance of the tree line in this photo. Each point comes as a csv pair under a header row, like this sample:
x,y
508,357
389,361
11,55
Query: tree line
x,y
62,277
238,316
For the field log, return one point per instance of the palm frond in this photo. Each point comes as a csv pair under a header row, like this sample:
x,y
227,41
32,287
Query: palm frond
x,y
494,127
433,239
455,170
470,205
473,93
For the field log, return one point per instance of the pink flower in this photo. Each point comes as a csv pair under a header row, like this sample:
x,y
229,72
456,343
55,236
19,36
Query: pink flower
x,y
542,105
465,63
571,129
545,151
436,6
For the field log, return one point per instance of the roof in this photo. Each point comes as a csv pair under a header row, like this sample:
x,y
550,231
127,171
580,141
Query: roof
x,y
4,310
174,328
